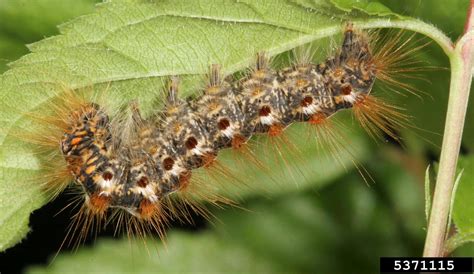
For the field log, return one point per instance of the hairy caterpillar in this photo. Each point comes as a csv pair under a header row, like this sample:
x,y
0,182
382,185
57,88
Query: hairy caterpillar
x,y
128,167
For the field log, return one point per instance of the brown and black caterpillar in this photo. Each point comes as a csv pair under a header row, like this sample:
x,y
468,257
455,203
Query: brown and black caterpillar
x,y
128,170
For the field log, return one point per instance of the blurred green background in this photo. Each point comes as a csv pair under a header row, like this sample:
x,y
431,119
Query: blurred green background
x,y
337,225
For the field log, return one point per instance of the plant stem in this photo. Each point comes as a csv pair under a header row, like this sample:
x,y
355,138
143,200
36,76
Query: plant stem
x,y
461,77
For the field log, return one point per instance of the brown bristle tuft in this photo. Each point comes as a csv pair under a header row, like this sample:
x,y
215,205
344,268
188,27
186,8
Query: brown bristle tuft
x,y
148,210
377,116
317,118
55,176
275,130
395,60
98,204
238,141
184,179
208,159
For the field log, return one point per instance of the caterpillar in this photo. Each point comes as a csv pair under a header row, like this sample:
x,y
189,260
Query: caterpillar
x,y
128,167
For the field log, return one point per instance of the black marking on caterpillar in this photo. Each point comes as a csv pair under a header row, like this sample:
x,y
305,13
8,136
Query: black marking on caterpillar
x,y
158,159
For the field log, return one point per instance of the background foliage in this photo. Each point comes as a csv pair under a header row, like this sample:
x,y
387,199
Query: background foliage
x,y
306,226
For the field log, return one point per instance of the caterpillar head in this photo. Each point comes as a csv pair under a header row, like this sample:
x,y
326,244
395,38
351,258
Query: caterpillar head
x,y
351,74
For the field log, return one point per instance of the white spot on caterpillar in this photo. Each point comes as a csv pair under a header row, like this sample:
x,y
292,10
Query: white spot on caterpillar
x,y
229,132
107,186
176,170
147,192
267,120
198,150
351,98
311,109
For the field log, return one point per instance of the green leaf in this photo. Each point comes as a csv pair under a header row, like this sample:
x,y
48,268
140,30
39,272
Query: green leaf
x,y
367,6
457,241
132,47
453,198
463,212
15,205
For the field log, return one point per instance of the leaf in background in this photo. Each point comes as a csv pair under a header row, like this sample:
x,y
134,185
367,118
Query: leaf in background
x,y
297,233
463,212
367,6
24,22
10,49
133,46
